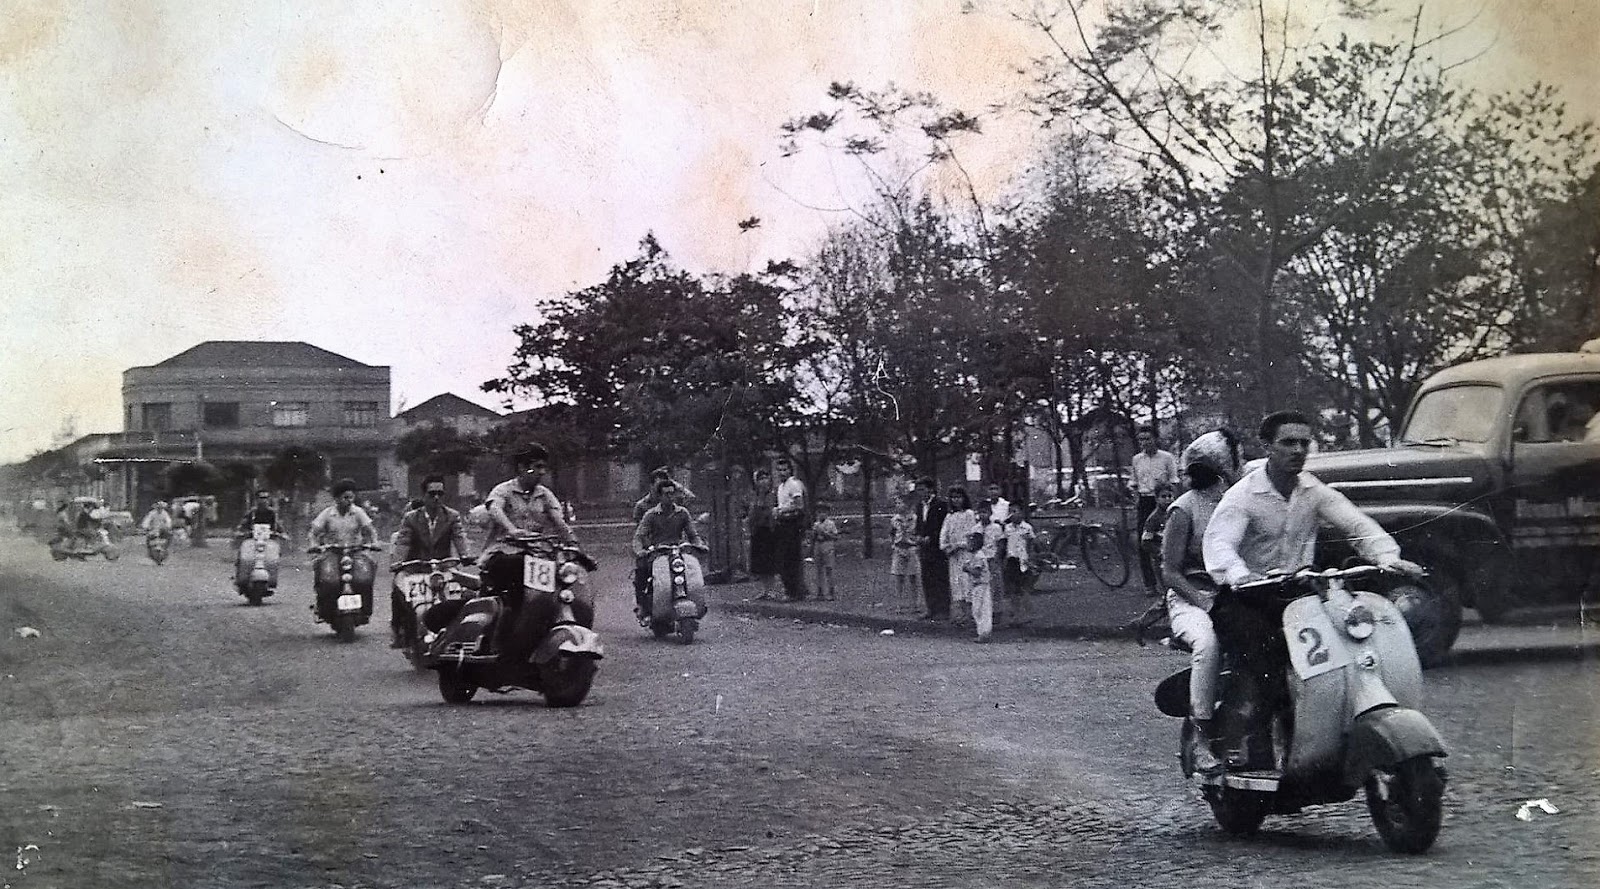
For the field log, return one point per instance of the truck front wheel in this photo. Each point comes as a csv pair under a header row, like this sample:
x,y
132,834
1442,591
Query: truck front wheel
x,y
1432,611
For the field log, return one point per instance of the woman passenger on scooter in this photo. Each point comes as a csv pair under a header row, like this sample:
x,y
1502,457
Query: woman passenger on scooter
x,y
1212,464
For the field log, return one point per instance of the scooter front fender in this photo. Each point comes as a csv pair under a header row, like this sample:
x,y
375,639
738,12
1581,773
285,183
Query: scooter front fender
x,y
569,639
1386,737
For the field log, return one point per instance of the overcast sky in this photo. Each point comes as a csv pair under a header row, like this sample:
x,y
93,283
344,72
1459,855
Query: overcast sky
x,y
403,183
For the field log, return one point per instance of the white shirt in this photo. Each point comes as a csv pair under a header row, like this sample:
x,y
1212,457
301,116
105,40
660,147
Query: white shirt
x,y
1255,529
791,495
1152,470
999,510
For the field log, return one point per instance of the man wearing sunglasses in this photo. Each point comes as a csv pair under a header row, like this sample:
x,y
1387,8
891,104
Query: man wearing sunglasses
x,y
431,531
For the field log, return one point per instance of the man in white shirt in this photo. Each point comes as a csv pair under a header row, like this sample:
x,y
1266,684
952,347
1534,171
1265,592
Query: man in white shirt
x,y
789,530
999,506
1153,469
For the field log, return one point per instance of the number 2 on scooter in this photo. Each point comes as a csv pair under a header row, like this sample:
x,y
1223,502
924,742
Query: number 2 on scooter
x,y
1316,654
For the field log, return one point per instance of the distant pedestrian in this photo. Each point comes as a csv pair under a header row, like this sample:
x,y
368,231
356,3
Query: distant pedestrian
x,y
1152,468
953,542
983,568
824,538
763,543
999,506
931,513
789,522
904,564
1017,573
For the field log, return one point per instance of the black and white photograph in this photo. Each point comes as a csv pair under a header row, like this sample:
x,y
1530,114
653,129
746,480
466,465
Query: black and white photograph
x,y
799,443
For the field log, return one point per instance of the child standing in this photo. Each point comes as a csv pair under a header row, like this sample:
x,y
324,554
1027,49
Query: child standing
x,y
1016,574
984,544
824,532
904,564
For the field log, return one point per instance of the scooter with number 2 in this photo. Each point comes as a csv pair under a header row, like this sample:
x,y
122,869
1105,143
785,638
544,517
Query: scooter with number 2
x,y
1329,709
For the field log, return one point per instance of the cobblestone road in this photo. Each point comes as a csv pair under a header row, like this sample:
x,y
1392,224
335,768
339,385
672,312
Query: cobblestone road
x,y
159,734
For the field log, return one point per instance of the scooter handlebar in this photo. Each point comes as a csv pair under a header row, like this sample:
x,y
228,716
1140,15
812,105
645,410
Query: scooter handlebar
x,y
425,563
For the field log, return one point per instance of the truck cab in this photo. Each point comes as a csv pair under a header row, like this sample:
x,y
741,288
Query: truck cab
x,y
1493,485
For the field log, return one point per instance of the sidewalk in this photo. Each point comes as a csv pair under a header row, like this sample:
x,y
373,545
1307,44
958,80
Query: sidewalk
x,y
1072,604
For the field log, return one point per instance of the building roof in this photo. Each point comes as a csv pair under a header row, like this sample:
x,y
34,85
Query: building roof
x,y
446,406
258,353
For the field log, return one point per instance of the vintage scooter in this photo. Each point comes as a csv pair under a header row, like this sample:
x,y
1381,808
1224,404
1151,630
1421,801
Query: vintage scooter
x,y
424,584
343,586
1326,710
255,565
549,647
158,545
677,601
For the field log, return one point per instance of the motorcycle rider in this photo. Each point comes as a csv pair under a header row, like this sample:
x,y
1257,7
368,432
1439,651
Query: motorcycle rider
x,y
344,523
652,497
664,524
261,513
158,521
431,530
522,505
1212,463
1266,524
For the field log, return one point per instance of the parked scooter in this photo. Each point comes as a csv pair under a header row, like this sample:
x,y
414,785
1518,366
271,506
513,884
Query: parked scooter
x,y
343,586
424,584
255,565
158,545
549,647
676,599
1327,708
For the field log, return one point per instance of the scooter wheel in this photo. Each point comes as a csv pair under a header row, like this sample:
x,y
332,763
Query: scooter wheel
x,y
253,597
1409,818
344,627
661,629
453,688
566,681
1238,812
686,630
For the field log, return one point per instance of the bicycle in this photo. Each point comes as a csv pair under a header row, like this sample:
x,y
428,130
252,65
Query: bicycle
x,y
1103,550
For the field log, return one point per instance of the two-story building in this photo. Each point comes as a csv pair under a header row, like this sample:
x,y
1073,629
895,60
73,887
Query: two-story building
x,y
241,402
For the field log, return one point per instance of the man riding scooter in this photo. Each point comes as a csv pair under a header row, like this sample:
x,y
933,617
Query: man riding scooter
x,y
346,525
1266,525
664,524
520,506
431,531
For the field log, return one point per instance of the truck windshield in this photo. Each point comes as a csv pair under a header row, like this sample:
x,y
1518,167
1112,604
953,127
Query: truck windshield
x,y
1458,413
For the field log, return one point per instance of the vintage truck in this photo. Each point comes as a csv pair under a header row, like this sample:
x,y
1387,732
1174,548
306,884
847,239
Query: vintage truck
x,y
1493,485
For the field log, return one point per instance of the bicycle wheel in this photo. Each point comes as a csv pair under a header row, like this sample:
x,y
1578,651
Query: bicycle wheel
x,y
1106,556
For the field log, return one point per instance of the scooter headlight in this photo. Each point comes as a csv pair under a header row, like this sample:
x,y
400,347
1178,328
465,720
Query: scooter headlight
x,y
346,577
1359,622
677,565
566,596
436,581
569,574
261,547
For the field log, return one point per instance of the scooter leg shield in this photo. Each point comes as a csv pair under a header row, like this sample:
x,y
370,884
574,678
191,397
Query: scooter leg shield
x,y
1386,737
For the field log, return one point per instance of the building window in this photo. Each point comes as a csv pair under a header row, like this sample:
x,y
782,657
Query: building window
x,y
290,413
221,414
157,416
361,413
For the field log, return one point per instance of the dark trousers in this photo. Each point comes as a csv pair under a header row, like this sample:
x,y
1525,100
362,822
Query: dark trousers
x,y
525,619
787,537
1147,505
935,580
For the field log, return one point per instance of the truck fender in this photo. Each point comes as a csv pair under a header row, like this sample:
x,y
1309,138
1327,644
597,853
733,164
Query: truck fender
x,y
1385,737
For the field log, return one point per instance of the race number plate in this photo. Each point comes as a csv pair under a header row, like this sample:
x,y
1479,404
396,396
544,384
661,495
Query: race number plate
x,y
351,602
1315,646
539,574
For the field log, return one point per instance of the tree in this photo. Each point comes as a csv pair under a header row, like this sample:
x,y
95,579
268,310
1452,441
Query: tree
x,y
1234,158
435,448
